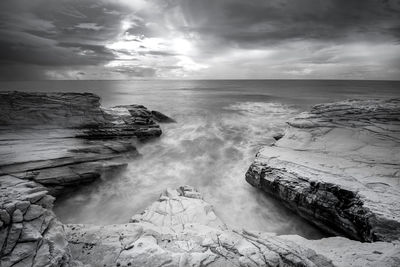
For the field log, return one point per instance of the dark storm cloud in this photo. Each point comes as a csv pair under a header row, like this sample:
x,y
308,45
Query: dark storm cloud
x,y
88,38
55,33
254,22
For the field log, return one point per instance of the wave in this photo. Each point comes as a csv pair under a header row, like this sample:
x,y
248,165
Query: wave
x,y
208,150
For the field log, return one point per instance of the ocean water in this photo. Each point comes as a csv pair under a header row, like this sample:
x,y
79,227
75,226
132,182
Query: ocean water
x,y
220,127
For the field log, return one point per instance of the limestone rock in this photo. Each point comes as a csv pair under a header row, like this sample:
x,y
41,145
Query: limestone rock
x,y
338,166
27,235
180,229
344,252
175,231
175,208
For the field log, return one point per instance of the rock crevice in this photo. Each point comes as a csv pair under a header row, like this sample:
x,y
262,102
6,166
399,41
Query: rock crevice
x,y
50,142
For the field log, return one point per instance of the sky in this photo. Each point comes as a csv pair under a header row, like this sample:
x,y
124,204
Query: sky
x,y
199,39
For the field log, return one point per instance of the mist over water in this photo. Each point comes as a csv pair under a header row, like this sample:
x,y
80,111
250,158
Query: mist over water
x,y
210,151
220,127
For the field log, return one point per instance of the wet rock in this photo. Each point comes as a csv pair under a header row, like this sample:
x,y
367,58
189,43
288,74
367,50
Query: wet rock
x,y
278,136
72,139
160,117
338,166
51,142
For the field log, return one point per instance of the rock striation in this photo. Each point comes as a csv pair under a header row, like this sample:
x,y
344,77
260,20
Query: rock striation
x,y
49,143
339,167
65,139
79,141
69,110
79,111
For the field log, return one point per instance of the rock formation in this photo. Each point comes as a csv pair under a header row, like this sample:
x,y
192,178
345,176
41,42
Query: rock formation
x,y
81,141
339,167
181,229
51,141
30,234
63,139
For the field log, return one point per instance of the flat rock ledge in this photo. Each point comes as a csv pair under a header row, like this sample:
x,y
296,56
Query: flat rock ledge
x,y
65,139
339,167
51,142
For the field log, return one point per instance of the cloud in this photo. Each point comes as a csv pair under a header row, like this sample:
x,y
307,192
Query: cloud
x,y
118,39
256,21
135,71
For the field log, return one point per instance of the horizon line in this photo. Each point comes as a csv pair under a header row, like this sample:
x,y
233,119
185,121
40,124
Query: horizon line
x,y
205,79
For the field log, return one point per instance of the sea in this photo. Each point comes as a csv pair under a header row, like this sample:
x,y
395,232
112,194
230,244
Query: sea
x,y
221,124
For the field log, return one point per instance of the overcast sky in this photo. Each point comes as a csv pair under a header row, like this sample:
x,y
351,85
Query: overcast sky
x,y
212,39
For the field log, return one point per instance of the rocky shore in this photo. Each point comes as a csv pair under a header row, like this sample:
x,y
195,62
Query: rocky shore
x,y
336,166
64,139
51,142
339,167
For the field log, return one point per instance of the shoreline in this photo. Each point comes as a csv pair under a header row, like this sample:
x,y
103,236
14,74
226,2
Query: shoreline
x,y
30,204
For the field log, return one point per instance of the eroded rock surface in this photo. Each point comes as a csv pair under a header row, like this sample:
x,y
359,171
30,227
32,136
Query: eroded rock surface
x,y
30,234
51,141
345,252
63,139
181,229
50,109
339,167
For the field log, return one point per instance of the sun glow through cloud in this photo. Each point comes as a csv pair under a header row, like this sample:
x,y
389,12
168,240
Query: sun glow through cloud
x,y
201,39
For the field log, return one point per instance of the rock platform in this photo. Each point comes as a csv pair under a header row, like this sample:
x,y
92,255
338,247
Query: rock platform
x,y
339,167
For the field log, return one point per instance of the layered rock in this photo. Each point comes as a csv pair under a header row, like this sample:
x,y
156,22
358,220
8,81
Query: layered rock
x,y
63,139
50,142
338,166
50,109
346,188
79,111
